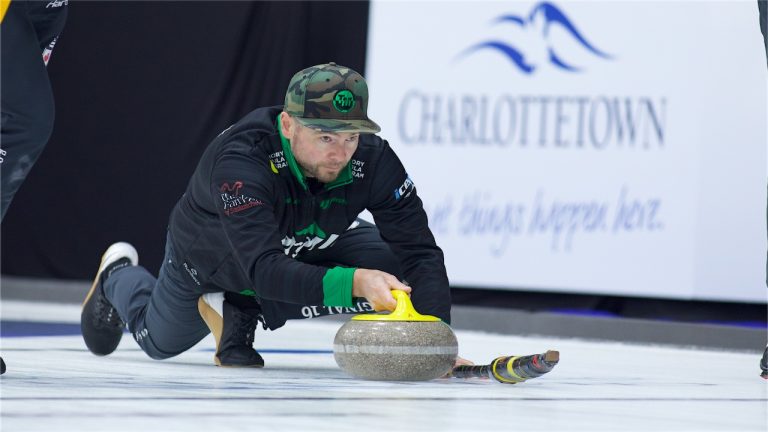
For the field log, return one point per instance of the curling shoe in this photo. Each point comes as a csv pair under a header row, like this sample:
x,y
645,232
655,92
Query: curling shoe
x,y
233,328
100,324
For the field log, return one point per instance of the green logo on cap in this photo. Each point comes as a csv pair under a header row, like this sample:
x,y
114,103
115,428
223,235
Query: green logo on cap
x,y
344,101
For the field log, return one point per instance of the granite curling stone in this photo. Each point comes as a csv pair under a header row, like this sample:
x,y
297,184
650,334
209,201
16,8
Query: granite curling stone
x,y
401,346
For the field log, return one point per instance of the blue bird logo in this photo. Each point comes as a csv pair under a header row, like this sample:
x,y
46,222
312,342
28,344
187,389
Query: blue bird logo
x,y
542,18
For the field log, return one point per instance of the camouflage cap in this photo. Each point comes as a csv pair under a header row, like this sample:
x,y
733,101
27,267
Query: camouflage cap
x,y
330,98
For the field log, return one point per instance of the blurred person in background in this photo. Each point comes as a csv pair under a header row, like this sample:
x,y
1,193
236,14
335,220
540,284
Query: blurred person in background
x,y
762,6
29,31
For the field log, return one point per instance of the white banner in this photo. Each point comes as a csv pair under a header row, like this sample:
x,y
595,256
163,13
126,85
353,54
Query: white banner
x,y
590,147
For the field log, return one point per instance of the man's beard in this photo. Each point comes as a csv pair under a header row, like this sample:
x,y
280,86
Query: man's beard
x,y
324,174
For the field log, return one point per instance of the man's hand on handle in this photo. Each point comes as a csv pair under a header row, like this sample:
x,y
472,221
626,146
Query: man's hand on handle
x,y
376,286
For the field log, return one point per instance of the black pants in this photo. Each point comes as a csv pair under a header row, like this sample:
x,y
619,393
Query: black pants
x,y
29,31
162,313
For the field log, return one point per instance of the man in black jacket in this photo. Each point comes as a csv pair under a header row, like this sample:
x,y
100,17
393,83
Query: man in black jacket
x,y
268,231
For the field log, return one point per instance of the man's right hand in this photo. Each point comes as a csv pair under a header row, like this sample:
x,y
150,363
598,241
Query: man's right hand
x,y
376,287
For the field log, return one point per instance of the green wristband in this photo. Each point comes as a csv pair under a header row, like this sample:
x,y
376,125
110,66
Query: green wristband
x,y
337,286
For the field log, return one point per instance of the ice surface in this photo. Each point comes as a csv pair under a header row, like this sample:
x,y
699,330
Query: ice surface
x,y
54,384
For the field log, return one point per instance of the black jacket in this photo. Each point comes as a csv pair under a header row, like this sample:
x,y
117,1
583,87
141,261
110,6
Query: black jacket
x,y
247,213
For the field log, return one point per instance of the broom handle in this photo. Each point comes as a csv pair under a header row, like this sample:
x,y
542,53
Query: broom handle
x,y
511,369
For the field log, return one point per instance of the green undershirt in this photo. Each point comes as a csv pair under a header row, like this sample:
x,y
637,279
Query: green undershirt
x,y
337,286
337,282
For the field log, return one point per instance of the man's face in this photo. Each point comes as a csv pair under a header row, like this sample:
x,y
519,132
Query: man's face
x,y
321,155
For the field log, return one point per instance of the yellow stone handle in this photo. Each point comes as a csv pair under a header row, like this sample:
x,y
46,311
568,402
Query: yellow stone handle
x,y
404,311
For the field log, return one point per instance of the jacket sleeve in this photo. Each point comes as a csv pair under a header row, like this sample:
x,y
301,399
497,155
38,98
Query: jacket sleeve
x,y
243,193
400,217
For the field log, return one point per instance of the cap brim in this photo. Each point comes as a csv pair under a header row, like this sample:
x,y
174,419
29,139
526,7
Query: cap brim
x,y
349,126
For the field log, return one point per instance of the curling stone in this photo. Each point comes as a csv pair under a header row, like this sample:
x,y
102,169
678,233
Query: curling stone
x,y
401,346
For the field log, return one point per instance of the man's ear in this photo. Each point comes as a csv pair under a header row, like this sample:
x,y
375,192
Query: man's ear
x,y
286,125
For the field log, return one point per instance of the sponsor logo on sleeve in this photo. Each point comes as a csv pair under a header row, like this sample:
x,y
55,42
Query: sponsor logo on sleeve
x,y
234,201
404,191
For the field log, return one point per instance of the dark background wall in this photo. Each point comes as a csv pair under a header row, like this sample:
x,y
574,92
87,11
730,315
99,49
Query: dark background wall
x,y
141,88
